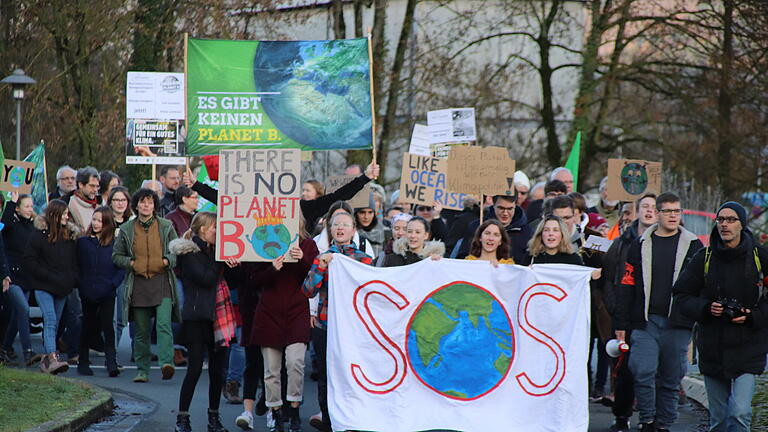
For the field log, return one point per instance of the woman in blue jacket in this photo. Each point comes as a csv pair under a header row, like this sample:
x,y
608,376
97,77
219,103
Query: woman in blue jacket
x,y
99,279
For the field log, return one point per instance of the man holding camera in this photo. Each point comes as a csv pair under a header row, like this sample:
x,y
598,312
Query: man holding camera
x,y
723,289
660,334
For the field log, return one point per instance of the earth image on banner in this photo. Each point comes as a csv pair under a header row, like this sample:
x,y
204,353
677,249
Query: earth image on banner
x,y
460,341
324,88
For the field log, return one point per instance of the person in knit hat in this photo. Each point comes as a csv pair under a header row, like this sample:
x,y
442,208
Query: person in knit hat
x,y
724,290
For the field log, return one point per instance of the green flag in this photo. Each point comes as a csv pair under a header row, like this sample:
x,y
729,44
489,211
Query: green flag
x,y
573,160
203,204
39,188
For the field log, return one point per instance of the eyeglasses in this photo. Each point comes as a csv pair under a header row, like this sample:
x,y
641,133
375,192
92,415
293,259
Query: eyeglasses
x,y
119,200
729,219
500,209
667,212
70,178
423,208
341,225
93,186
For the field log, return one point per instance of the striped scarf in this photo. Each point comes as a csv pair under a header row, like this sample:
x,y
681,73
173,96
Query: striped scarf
x,y
224,322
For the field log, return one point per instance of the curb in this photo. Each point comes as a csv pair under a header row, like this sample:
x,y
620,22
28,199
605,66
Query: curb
x,y
694,389
89,411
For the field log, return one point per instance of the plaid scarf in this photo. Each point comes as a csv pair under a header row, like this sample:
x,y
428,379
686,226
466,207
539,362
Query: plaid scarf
x,y
224,322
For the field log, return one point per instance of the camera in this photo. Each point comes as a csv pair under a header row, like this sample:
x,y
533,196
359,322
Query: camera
x,y
731,308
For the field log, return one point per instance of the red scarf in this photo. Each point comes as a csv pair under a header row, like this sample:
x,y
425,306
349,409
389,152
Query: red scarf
x,y
224,321
93,202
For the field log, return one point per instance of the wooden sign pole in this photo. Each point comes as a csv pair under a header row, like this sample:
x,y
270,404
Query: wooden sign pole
x,y
373,104
482,206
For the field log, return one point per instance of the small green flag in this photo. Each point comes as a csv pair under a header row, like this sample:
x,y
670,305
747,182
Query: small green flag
x,y
203,204
573,160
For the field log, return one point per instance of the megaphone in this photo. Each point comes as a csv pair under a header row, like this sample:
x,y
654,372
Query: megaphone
x,y
615,348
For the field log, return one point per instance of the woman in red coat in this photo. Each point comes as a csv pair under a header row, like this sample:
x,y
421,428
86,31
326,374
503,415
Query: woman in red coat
x,y
281,324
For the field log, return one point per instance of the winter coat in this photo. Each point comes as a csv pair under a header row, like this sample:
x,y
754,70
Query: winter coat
x,y
123,254
727,349
518,231
634,293
99,276
51,267
181,220
401,255
196,262
16,234
613,265
282,315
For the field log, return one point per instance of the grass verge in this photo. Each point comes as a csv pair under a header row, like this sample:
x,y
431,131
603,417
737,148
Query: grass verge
x,y
28,399
760,404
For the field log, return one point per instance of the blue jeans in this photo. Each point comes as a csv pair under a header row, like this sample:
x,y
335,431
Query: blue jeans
x,y
51,308
118,321
19,300
658,363
236,358
730,402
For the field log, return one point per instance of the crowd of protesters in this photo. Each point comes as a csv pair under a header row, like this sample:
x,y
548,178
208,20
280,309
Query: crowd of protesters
x,y
101,258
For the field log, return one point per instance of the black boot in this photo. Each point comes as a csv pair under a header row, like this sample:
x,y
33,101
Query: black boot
x,y
294,419
214,422
111,362
182,423
84,363
277,415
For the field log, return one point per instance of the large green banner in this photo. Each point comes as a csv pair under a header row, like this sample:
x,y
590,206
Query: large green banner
x,y
311,95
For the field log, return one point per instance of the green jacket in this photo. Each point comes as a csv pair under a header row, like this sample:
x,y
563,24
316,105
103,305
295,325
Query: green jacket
x,y
122,255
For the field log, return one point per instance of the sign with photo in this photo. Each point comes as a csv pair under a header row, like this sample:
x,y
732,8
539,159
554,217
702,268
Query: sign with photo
x,y
155,126
452,125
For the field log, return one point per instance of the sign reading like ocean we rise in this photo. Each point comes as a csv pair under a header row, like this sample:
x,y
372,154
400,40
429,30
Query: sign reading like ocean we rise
x,y
309,95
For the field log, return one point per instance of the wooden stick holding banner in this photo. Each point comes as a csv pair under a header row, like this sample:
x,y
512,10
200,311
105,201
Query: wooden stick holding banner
x,y
45,173
154,174
373,104
482,206
186,115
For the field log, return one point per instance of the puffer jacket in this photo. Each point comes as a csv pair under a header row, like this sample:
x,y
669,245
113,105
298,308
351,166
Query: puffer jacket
x,y
727,349
197,265
51,267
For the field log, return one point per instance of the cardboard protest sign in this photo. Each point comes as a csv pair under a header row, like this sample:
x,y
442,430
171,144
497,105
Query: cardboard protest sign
x,y
155,125
258,206
361,199
481,170
17,176
451,125
423,181
629,179
310,95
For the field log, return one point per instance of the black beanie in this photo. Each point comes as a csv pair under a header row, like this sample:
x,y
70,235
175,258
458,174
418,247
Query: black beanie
x,y
740,212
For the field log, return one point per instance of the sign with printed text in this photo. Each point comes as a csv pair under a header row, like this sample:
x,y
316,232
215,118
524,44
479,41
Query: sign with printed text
x,y
423,180
310,95
441,345
629,179
361,199
155,125
258,207
17,176
452,125
420,140
481,170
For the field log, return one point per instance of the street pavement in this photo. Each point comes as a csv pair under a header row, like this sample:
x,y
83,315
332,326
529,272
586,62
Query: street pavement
x,y
152,406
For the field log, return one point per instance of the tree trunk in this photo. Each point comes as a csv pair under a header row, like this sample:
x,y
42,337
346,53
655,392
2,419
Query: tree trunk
x,y
339,27
725,104
554,153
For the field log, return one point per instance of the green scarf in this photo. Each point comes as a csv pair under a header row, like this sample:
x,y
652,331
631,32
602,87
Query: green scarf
x,y
147,224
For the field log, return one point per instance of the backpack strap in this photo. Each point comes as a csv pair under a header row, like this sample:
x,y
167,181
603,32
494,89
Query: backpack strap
x,y
707,258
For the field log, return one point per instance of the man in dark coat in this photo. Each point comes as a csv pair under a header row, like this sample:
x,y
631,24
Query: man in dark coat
x,y
732,342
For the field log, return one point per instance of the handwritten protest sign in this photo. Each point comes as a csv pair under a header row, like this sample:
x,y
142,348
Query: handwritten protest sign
x,y
17,176
361,199
629,179
423,181
258,206
480,170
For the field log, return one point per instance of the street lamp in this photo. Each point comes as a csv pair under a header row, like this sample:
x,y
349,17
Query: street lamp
x,y
18,81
